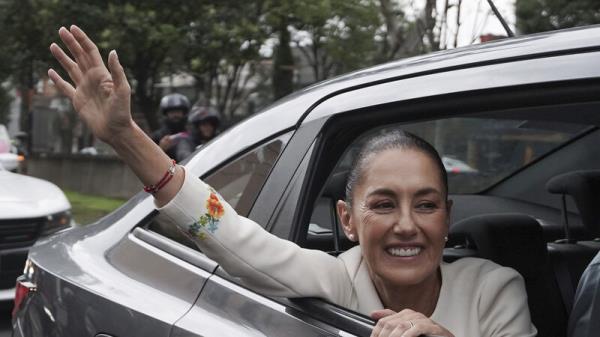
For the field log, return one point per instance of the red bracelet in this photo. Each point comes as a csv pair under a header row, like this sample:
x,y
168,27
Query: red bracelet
x,y
163,181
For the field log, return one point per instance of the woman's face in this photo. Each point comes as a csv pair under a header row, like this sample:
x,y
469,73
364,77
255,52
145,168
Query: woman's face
x,y
400,216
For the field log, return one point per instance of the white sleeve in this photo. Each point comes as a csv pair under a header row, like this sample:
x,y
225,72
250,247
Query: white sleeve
x,y
503,308
262,261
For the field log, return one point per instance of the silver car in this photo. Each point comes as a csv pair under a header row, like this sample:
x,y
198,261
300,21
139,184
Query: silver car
x,y
518,111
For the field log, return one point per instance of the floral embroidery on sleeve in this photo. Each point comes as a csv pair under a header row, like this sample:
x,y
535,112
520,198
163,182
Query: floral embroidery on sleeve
x,y
209,220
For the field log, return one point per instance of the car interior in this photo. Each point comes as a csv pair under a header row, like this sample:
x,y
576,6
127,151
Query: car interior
x,y
528,199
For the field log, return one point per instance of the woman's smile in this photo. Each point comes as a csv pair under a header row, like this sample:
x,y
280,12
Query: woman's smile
x,y
404,251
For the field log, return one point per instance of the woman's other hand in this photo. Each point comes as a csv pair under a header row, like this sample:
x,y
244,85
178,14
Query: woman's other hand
x,y
101,97
406,323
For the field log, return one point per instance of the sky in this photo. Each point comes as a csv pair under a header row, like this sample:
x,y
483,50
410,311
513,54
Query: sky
x,y
476,18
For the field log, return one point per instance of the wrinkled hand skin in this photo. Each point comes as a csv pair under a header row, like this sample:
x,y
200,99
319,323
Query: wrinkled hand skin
x,y
99,94
397,324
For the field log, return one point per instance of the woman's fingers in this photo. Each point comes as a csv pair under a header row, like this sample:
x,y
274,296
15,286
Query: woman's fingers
x,y
88,46
117,72
406,323
379,314
65,87
394,327
425,327
74,48
67,63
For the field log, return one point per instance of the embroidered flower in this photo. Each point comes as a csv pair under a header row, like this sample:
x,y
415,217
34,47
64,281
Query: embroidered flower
x,y
210,219
214,207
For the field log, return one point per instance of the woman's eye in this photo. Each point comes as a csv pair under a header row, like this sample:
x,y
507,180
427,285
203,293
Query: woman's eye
x,y
426,206
384,205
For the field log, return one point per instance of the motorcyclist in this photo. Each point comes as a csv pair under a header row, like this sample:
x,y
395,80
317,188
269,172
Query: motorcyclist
x,y
174,108
204,122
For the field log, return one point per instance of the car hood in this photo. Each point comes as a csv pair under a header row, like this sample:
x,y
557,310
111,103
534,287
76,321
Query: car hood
x,y
27,197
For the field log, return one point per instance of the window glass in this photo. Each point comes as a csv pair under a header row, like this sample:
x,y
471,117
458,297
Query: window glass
x,y
476,152
238,182
479,152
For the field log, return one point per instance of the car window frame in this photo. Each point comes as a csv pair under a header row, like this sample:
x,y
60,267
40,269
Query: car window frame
x,y
312,178
180,250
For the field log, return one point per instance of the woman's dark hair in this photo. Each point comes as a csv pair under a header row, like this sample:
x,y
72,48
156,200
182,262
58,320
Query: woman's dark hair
x,y
395,139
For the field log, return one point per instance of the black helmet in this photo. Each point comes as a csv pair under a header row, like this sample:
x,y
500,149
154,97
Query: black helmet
x,y
174,102
204,114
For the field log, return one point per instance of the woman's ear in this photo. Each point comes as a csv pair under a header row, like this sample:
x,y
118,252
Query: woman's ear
x,y
343,211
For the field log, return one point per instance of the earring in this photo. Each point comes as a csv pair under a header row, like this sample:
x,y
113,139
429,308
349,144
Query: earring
x,y
445,239
351,237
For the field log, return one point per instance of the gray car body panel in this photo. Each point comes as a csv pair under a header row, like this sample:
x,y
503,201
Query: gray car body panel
x,y
104,278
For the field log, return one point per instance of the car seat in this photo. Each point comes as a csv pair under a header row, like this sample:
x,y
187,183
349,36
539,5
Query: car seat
x,y
569,256
517,241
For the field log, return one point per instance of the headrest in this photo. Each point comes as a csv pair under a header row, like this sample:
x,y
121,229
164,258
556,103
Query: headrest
x,y
512,240
584,188
336,186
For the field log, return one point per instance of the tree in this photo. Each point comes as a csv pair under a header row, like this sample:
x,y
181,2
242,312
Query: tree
x,y
544,15
393,33
283,62
145,33
23,42
326,30
221,51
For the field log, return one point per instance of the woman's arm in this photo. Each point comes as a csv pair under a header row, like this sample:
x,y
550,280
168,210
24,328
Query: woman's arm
x,y
245,250
102,100
268,264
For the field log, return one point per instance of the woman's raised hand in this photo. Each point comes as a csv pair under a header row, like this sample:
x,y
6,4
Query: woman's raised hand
x,y
101,97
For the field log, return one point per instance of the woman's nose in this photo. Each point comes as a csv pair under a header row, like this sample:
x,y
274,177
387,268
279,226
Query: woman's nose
x,y
405,224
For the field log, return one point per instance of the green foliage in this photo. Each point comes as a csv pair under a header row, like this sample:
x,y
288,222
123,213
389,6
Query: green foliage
x,y
283,63
217,42
334,28
89,208
544,15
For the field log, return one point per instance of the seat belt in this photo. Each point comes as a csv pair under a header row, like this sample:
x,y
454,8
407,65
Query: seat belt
x,y
565,284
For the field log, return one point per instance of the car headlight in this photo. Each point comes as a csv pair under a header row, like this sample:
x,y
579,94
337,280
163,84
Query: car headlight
x,y
57,221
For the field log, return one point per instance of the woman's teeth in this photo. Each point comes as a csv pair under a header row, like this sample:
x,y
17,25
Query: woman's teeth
x,y
404,252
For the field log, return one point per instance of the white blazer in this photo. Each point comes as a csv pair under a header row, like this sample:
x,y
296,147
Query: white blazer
x,y
477,297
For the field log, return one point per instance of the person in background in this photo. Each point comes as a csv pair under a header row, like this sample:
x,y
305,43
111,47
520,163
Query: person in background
x,y
171,136
204,123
